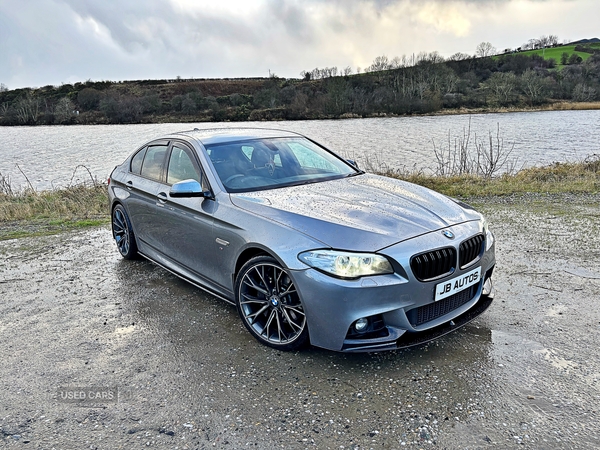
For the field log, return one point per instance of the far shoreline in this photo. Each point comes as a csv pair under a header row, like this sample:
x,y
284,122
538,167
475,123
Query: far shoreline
x,y
555,106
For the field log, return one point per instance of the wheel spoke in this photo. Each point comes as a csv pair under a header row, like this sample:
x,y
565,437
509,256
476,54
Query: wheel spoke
x,y
250,282
259,312
289,290
277,278
261,275
252,299
117,228
295,309
290,320
279,330
268,324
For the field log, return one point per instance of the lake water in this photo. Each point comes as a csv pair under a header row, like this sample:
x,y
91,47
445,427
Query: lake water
x,y
50,155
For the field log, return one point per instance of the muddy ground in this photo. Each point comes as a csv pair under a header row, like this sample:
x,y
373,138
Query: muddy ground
x,y
526,374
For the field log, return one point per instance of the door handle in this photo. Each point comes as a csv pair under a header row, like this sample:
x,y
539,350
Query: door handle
x,y
162,198
129,184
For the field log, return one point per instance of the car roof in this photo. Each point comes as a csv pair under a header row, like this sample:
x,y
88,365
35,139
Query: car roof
x,y
209,136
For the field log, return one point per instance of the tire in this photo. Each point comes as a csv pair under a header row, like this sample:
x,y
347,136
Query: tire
x,y
123,233
269,305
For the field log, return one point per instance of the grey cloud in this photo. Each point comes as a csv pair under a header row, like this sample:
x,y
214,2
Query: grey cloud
x,y
43,43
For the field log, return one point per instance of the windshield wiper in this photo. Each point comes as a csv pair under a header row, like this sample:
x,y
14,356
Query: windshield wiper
x,y
360,172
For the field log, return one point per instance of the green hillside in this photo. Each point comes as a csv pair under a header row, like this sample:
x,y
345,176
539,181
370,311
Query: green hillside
x,y
556,52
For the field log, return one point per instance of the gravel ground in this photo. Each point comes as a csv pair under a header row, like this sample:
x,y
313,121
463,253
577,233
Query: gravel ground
x,y
75,317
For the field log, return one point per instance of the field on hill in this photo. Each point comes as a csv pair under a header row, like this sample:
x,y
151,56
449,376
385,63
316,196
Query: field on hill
x,y
556,52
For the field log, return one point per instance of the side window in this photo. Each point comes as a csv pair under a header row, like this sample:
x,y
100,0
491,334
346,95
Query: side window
x,y
181,166
153,162
136,161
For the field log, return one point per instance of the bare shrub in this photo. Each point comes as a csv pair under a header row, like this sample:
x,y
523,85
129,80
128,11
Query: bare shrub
x,y
592,163
493,157
5,185
469,155
92,178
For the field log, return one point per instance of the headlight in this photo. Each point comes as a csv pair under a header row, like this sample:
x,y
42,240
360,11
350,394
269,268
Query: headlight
x,y
489,237
345,264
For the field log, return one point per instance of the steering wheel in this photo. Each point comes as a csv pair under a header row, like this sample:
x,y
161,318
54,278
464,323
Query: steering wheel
x,y
233,177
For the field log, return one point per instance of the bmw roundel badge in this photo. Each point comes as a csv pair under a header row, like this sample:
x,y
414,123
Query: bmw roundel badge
x,y
449,234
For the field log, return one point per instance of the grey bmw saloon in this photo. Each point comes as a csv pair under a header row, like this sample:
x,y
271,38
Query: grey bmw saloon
x,y
309,248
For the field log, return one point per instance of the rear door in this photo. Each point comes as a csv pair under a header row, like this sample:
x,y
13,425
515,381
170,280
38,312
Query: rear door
x,y
146,175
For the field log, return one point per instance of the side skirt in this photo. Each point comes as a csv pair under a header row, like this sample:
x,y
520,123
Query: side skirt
x,y
189,280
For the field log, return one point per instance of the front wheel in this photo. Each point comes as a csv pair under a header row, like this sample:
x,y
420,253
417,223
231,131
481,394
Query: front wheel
x,y
269,304
123,233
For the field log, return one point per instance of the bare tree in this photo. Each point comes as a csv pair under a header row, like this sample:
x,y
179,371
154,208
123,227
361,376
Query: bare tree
x,y
553,40
459,57
396,63
543,41
3,87
63,112
433,58
533,85
485,49
502,85
380,63
530,44
28,109
449,82
584,93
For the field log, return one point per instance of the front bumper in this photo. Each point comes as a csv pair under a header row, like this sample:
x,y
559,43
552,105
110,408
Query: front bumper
x,y
391,302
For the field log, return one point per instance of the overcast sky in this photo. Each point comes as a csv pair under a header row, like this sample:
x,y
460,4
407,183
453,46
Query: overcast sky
x,y
64,41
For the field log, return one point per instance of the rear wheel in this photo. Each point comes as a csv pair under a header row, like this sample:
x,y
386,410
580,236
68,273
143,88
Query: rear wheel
x,y
123,233
269,305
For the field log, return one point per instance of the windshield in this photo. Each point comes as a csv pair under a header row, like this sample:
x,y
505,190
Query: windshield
x,y
258,164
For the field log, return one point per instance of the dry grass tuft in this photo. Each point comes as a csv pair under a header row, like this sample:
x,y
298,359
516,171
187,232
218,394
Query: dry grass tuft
x,y
72,203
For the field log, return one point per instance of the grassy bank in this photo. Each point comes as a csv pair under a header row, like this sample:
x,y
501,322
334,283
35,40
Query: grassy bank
x,y
32,213
37,213
558,178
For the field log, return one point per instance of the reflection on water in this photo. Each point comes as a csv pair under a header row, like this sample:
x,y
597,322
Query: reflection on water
x,y
48,155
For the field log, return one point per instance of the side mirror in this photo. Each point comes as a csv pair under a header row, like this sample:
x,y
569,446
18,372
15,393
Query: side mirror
x,y
188,188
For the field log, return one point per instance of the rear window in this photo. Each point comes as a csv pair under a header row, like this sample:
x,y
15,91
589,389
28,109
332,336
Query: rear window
x,y
153,162
136,161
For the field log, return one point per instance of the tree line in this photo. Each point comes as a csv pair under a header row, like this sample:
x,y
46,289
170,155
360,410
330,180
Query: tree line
x,y
422,83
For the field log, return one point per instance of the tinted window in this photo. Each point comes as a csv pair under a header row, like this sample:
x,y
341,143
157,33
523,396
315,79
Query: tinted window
x,y
136,161
181,166
153,162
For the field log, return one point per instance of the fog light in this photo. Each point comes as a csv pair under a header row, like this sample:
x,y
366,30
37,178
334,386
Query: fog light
x,y
361,324
488,288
